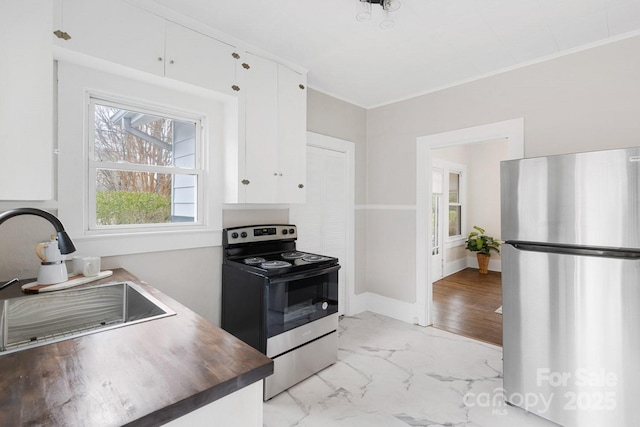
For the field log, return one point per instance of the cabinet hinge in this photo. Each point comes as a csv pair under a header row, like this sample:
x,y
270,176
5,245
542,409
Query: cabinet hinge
x,y
62,35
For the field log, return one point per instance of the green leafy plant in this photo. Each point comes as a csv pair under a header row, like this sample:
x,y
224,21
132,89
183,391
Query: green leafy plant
x,y
477,241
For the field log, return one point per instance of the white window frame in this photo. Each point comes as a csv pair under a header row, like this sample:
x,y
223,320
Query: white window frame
x,y
77,81
451,167
94,165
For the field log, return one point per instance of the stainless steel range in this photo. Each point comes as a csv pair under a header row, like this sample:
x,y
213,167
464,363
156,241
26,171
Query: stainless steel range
x,y
281,301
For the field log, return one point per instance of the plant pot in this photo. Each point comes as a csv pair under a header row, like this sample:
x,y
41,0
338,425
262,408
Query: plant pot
x,y
483,263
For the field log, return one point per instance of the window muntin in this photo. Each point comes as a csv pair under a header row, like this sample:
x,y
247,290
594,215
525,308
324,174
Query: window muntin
x,y
143,167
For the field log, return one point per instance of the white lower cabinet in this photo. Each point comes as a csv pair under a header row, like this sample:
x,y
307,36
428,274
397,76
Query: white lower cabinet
x,y
240,409
26,100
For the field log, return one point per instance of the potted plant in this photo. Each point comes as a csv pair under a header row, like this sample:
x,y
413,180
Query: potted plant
x,y
478,242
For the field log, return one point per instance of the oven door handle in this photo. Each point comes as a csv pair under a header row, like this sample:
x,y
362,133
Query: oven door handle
x,y
304,275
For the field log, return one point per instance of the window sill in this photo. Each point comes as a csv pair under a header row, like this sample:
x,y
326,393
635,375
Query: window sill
x,y
134,243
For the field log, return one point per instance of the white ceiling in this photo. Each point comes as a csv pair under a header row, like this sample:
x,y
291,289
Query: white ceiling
x,y
434,43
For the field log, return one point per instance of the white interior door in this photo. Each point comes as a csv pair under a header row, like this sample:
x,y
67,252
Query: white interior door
x,y
322,220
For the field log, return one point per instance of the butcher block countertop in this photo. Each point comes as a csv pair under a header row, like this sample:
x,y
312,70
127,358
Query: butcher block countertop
x,y
145,374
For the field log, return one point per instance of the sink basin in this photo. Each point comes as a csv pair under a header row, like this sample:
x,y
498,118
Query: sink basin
x,y
35,320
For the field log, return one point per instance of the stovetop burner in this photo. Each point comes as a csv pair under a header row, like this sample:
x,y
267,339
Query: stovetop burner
x,y
313,258
254,260
292,255
274,264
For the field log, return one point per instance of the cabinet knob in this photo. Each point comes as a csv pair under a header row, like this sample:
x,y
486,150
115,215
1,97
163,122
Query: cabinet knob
x,y
171,62
245,182
245,66
300,185
235,55
159,58
235,87
301,86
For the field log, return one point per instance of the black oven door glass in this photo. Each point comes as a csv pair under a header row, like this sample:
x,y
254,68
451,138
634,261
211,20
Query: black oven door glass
x,y
296,302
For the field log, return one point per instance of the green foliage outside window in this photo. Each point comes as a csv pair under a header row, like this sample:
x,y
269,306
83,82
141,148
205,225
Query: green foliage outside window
x,y
125,207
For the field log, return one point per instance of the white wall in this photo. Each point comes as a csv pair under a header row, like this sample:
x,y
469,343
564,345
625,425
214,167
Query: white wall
x,y
584,101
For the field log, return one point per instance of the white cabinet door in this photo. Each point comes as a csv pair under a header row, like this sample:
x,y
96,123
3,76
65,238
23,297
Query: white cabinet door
x,y
271,158
195,58
292,135
261,126
26,100
115,31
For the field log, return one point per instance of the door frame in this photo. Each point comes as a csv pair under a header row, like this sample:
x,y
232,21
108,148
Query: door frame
x,y
348,148
513,130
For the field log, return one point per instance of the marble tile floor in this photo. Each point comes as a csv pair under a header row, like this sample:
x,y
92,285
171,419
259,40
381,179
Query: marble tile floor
x,y
393,374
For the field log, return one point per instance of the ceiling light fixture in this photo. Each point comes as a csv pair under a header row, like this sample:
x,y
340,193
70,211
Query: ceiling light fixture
x,y
364,11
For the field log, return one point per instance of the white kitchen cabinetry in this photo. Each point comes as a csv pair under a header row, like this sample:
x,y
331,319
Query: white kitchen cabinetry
x,y
121,33
292,135
271,158
195,58
26,100
112,30
242,408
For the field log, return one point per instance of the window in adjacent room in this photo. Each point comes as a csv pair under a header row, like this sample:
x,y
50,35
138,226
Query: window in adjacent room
x,y
144,167
455,204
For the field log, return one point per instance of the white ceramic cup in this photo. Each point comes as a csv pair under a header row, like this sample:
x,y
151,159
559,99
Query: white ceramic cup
x,y
90,266
77,264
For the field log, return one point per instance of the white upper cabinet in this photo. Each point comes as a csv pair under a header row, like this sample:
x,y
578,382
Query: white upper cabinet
x,y
260,180
272,155
112,30
26,100
292,135
124,34
199,59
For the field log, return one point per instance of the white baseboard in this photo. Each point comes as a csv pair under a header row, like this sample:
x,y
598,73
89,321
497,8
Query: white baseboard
x,y
455,266
379,304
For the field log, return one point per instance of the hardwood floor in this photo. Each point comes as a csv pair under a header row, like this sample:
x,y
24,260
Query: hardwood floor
x,y
465,303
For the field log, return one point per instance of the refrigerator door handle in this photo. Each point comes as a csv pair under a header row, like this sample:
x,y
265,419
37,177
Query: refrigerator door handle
x,y
575,250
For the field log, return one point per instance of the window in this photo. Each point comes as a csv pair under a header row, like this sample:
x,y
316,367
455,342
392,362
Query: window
x,y
146,175
142,167
455,205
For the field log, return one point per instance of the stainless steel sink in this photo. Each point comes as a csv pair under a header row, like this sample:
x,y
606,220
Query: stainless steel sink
x,y
35,320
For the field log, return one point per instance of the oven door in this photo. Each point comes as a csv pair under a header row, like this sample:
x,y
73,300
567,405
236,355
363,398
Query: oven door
x,y
297,299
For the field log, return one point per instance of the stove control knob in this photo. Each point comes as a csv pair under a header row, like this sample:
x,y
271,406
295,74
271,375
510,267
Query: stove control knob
x,y
243,234
234,235
284,231
325,305
292,231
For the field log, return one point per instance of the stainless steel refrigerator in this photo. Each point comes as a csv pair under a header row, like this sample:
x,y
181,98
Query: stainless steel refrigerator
x,y
571,286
